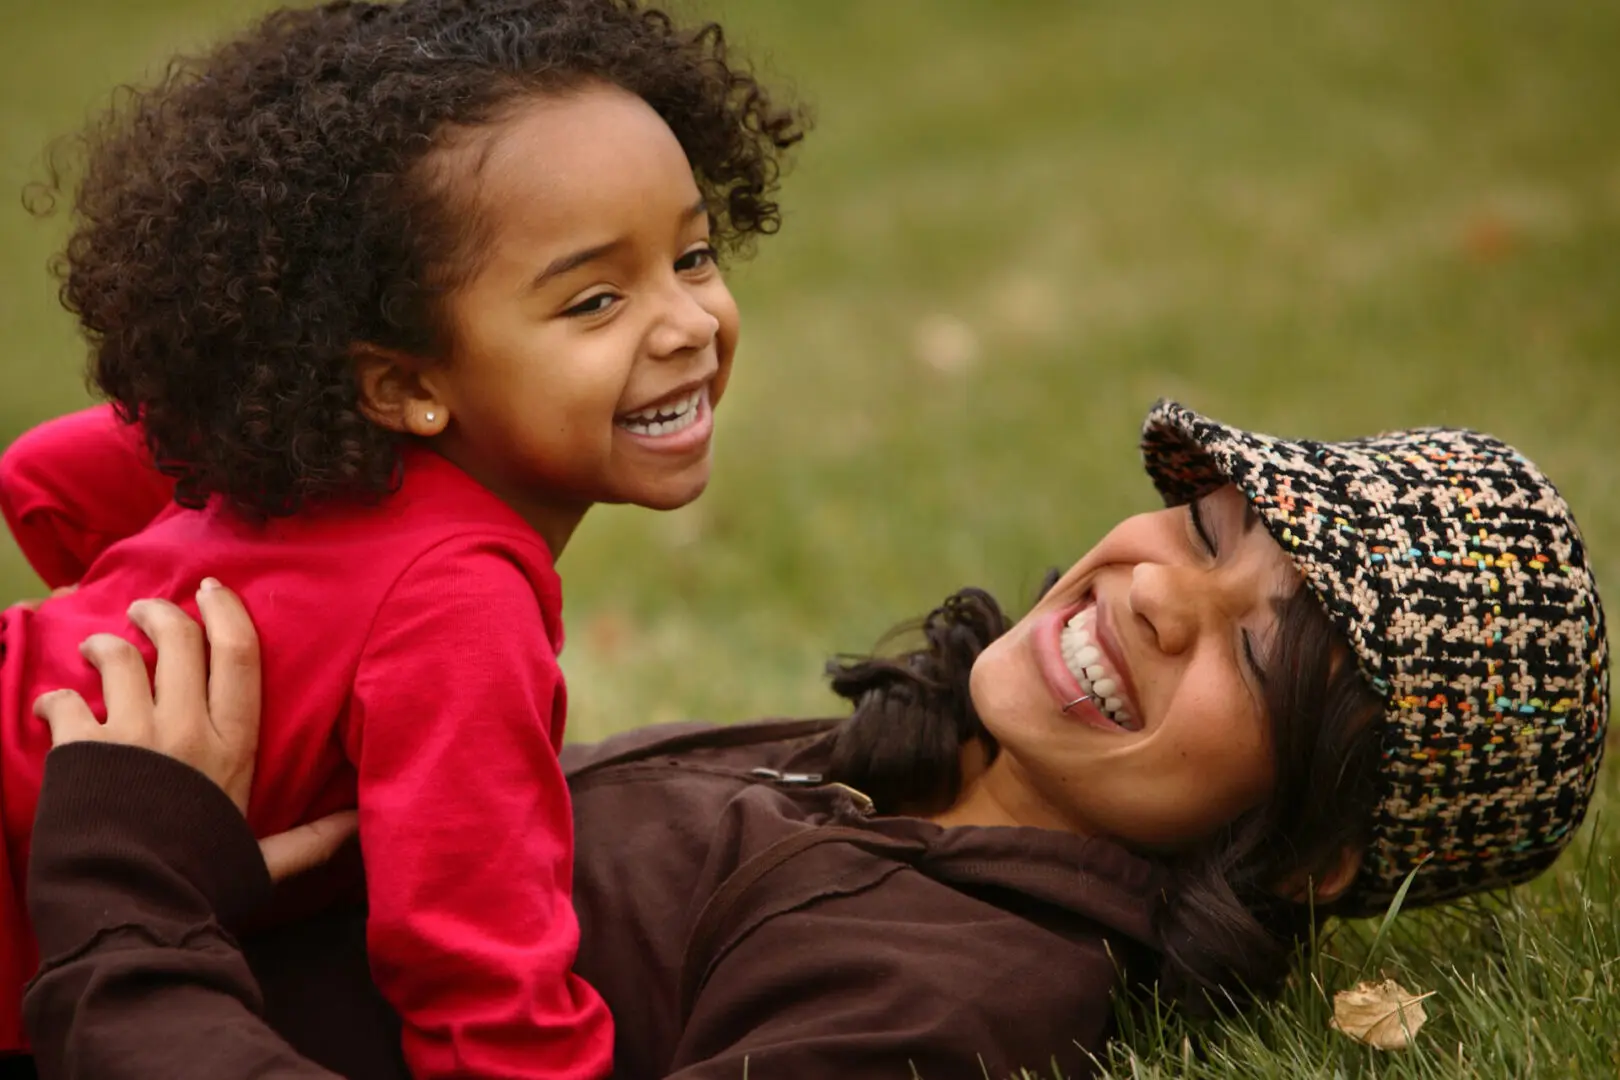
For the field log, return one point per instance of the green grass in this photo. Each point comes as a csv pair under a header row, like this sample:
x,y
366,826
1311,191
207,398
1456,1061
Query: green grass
x,y
1320,219
1524,986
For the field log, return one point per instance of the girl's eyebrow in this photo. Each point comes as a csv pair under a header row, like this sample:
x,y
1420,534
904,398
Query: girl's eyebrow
x,y
573,261
564,263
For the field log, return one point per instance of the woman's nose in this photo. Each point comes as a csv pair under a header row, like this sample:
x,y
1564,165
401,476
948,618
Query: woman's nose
x,y
684,325
1165,598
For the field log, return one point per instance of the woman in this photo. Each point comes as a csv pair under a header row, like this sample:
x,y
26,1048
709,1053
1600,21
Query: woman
x,y
1202,730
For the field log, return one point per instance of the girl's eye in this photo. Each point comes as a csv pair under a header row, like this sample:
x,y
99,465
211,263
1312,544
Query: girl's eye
x,y
1204,535
695,259
592,305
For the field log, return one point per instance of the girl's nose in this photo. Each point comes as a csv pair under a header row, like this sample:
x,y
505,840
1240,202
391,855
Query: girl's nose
x,y
683,326
1165,598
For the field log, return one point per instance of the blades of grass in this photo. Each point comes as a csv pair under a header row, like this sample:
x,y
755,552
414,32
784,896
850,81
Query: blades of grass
x,y
1389,918
1591,850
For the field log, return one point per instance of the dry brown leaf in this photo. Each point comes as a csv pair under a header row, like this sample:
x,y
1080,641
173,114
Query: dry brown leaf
x,y
1384,1014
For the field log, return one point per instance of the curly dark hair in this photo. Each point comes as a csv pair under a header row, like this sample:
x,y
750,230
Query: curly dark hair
x,y
241,225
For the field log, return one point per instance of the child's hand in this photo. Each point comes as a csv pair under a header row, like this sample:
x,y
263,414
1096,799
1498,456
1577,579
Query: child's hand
x,y
200,708
211,724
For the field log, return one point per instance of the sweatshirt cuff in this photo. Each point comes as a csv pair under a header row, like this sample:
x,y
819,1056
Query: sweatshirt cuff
x,y
120,824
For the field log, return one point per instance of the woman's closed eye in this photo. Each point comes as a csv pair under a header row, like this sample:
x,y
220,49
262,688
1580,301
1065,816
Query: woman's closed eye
x,y
1253,659
1209,539
1201,529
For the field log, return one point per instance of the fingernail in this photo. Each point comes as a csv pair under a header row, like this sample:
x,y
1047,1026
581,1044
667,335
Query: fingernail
x,y
208,585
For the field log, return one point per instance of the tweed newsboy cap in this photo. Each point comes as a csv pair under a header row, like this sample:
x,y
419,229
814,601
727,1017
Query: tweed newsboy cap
x,y
1457,575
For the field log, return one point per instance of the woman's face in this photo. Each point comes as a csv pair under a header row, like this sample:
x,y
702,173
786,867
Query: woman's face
x,y
1167,624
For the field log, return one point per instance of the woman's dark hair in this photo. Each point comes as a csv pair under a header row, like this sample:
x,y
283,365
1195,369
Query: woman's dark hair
x,y
243,224
1227,934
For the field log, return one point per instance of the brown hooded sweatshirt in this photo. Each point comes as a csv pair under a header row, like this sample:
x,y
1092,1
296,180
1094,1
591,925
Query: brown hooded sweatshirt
x,y
739,916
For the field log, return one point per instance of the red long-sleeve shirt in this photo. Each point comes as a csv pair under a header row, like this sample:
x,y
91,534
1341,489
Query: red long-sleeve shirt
x,y
409,652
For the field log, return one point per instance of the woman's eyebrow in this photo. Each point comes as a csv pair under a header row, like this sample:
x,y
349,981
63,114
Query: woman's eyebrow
x,y
1249,517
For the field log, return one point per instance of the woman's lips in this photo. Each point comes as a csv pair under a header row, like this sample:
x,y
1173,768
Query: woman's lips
x,y
1045,639
1103,630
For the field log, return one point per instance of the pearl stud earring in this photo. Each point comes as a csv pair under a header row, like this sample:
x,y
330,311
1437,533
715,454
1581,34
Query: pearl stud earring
x,y
430,417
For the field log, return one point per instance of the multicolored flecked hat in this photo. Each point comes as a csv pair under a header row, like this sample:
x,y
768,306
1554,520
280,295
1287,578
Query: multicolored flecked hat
x,y
1457,574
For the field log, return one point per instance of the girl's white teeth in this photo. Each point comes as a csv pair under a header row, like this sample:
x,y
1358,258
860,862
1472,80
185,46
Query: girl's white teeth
x,y
664,419
1085,662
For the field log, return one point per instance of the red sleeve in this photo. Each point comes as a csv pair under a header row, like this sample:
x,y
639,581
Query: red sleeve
x,y
466,827
75,485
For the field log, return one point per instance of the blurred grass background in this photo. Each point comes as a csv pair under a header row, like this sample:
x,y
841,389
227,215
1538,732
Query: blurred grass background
x,y
1017,224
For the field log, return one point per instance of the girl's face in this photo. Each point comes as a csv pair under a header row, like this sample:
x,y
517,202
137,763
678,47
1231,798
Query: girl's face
x,y
591,348
1167,624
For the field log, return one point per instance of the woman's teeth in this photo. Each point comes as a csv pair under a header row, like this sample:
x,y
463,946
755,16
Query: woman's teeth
x,y
665,419
1085,661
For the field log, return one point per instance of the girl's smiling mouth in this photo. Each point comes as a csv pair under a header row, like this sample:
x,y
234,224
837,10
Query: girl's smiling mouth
x,y
1075,653
676,422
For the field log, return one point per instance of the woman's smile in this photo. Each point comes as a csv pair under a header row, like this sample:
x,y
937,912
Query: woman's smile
x,y
1077,652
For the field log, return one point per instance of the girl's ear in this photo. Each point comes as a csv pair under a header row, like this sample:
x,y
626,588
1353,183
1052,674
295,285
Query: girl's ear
x,y
397,391
1326,883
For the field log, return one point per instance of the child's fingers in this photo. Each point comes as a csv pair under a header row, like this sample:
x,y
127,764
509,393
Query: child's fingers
x,y
181,677
68,717
123,687
234,673
307,846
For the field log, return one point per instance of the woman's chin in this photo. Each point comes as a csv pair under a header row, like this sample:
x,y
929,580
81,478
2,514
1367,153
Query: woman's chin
x,y
1010,700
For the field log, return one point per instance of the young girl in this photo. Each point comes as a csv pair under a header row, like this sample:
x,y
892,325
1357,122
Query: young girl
x,y
1324,669
396,292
